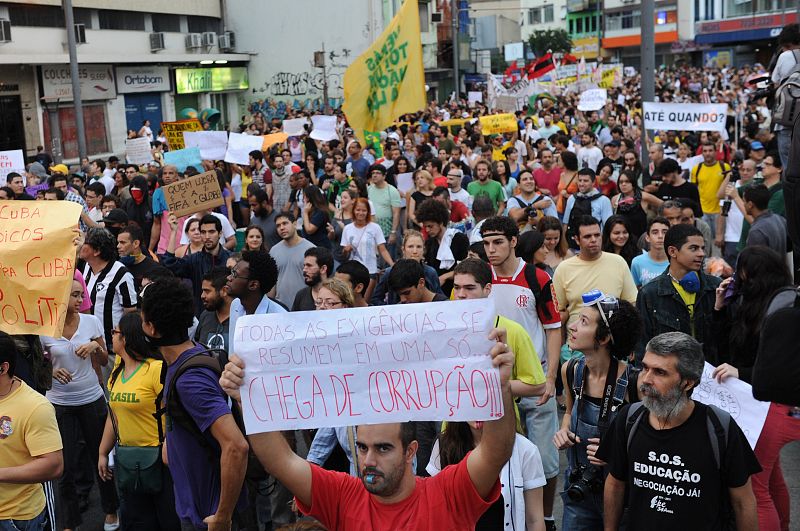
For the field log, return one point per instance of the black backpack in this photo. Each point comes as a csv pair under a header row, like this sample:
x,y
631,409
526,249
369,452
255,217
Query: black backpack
x,y
776,371
581,207
533,284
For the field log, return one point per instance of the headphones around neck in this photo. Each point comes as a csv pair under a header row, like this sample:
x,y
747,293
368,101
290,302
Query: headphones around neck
x,y
690,282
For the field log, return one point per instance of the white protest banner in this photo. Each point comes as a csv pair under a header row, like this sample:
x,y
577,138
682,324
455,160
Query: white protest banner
x,y
11,161
685,116
137,150
324,128
212,144
240,146
366,366
294,127
474,97
592,99
405,182
735,397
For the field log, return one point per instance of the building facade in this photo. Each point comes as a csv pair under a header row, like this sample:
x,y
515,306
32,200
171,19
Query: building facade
x,y
129,54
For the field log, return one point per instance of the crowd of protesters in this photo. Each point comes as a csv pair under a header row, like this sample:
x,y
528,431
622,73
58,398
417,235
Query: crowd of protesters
x,y
613,281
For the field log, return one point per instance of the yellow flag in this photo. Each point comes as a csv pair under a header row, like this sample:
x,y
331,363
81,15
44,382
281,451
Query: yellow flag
x,y
387,80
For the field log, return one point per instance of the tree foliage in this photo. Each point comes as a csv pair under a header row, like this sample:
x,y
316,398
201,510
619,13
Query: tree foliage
x,y
557,41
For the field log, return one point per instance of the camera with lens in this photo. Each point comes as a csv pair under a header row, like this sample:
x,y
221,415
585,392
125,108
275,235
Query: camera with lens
x,y
530,211
734,177
584,480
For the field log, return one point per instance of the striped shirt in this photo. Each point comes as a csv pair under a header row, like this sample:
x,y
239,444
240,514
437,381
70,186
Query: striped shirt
x,y
111,291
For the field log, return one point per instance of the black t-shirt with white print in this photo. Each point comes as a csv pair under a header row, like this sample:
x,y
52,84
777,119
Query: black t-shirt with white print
x,y
672,478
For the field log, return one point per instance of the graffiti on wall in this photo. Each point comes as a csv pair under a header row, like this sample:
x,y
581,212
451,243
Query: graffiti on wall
x,y
271,108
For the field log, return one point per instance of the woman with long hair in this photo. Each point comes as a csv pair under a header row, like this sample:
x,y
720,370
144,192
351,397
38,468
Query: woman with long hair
x,y
606,332
531,248
80,404
413,249
521,479
311,166
618,239
501,172
121,184
363,239
316,217
738,316
630,161
254,239
631,203
195,245
401,165
555,239
133,423
423,189
568,182
515,166
605,172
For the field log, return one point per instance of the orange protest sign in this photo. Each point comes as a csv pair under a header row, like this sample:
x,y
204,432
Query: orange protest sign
x,y
271,140
174,131
193,194
37,262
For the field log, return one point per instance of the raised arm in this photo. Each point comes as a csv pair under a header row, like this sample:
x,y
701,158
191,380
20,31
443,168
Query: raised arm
x,y
271,448
487,460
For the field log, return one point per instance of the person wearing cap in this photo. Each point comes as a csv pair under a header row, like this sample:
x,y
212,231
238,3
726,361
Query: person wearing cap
x,y
757,153
606,331
115,221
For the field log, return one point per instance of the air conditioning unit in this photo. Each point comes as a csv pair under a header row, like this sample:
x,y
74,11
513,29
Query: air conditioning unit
x,y
5,30
80,33
194,41
156,42
227,41
436,18
209,39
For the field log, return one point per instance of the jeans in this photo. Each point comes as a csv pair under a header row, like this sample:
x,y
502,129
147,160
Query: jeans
x,y
541,424
772,496
34,524
150,512
88,420
784,145
730,253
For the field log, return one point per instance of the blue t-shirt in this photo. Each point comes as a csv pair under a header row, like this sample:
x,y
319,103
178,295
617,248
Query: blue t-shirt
x,y
644,269
159,202
195,472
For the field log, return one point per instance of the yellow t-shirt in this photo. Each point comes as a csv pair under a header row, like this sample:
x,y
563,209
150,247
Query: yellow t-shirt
x,y
688,299
498,153
28,429
133,402
527,367
708,180
574,277
247,180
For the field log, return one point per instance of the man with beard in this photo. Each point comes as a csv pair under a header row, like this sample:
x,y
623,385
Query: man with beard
x,y
212,330
676,436
681,298
132,254
317,267
263,215
589,155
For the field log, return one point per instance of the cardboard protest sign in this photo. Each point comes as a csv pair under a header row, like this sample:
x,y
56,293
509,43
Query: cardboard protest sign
x,y
11,161
37,261
498,123
174,131
212,144
240,146
193,194
361,366
267,141
592,99
736,397
137,150
183,158
685,116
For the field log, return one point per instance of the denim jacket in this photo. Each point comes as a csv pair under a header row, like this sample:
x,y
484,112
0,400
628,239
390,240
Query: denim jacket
x,y
663,310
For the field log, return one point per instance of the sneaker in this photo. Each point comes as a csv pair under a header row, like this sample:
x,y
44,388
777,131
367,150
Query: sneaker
x,y
111,527
550,525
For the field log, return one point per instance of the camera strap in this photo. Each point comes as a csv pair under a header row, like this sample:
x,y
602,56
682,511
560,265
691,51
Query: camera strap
x,y
608,394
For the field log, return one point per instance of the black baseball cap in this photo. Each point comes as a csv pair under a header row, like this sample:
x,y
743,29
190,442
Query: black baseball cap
x,y
116,215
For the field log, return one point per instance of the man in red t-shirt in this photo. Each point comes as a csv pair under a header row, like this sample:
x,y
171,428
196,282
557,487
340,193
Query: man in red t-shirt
x,y
387,495
458,210
548,175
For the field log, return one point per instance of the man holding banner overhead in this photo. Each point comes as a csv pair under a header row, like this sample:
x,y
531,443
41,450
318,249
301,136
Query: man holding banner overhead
x,y
388,495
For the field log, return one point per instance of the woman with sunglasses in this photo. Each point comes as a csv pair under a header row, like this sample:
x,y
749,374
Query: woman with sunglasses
x,y
135,387
606,332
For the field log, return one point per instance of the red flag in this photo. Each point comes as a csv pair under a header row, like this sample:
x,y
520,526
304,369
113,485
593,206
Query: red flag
x,y
569,59
542,66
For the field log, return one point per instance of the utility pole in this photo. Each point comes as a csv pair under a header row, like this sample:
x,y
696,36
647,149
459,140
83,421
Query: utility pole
x,y
648,54
319,62
76,83
454,17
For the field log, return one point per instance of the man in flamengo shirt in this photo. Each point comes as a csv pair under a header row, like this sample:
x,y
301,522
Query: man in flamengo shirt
x,y
388,495
515,300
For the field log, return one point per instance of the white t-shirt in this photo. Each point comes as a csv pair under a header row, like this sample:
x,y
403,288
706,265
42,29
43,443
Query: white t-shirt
x,y
365,242
733,223
589,157
462,196
522,472
84,387
227,228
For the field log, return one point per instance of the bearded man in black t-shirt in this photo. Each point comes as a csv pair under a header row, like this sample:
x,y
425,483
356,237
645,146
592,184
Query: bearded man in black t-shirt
x,y
675,477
